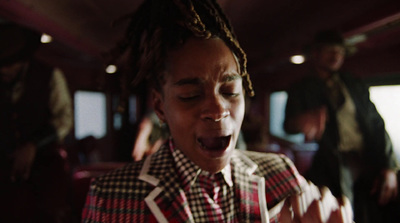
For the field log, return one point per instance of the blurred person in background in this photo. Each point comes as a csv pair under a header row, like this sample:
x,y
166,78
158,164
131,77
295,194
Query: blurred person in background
x,y
151,135
355,156
36,115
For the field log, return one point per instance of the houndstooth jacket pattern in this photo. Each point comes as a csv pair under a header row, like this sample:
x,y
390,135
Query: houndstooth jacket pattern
x,y
149,190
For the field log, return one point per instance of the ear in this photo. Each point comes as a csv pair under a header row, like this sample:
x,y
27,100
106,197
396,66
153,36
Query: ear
x,y
158,104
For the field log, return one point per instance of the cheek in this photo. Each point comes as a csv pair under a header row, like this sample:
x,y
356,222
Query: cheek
x,y
238,110
177,117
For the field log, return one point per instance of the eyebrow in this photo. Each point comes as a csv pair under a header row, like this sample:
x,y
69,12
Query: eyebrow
x,y
232,77
197,81
188,81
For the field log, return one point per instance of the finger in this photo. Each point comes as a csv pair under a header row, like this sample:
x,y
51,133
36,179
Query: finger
x,y
329,203
301,202
310,132
346,210
313,213
343,214
296,205
286,214
335,217
137,155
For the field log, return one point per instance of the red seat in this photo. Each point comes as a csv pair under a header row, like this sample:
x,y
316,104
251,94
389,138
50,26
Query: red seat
x,y
83,175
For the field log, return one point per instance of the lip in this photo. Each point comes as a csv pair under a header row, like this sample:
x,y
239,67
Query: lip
x,y
214,146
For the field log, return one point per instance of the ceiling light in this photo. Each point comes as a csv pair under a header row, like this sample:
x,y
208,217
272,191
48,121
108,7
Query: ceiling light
x,y
46,38
110,69
297,59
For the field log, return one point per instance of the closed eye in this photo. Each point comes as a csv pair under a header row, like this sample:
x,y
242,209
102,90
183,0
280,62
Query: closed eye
x,y
189,97
231,94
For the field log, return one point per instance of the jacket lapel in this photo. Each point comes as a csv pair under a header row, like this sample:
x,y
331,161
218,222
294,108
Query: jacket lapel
x,y
250,190
167,201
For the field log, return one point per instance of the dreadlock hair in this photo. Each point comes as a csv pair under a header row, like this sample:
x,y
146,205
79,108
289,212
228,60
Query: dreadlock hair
x,y
161,25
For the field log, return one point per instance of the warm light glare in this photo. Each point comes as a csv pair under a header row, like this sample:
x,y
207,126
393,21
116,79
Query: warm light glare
x,y
111,69
46,38
297,59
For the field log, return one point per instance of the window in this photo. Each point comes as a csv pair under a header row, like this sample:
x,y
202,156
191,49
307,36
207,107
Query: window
x,y
277,117
90,114
387,101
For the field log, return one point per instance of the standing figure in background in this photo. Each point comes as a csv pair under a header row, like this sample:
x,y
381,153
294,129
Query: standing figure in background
x,y
36,115
187,51
355,155
254,128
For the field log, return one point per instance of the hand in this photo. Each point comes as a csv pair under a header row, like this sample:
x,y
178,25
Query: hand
x,y
316,205
24,157
312,123
386,186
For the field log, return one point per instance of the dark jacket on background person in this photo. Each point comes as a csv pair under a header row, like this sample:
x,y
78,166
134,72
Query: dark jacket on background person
x,y
27,119
327,167
44,196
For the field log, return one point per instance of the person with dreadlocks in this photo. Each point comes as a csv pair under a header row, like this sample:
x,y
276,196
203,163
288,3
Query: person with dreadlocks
x,y
189,54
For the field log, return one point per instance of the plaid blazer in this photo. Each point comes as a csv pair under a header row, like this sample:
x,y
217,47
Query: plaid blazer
x,y
150,191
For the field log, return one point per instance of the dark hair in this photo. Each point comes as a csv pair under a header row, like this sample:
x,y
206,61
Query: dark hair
x,y
17,43
161,25
329,37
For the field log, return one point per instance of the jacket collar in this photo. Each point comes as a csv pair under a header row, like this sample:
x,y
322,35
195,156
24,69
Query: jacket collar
x,y
168,202
250,190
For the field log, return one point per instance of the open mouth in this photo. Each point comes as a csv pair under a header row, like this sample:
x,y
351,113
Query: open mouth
x,y
214,143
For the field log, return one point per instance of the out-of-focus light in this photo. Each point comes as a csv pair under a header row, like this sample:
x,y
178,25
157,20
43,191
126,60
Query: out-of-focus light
x,y
110,69
297,59
353,40
46,38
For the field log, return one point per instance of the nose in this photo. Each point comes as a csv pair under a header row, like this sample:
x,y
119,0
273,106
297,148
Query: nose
x,y
215,109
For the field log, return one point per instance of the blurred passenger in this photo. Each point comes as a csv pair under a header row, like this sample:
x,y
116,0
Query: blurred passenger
x,y
355,155
197,70
151,135
35,116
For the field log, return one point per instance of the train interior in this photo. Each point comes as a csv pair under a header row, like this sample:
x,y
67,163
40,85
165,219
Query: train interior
x,y
270,32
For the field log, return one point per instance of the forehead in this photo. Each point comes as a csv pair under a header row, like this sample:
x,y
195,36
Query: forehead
x,y
201,58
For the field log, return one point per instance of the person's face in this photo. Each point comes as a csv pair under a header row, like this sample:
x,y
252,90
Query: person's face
x,y
202,101
330,57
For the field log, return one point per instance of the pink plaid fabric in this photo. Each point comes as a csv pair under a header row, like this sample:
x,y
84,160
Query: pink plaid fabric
x,y
210,196
152,191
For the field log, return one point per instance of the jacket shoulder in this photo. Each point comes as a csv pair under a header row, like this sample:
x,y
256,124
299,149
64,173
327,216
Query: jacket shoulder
x,y
267,160
281,176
